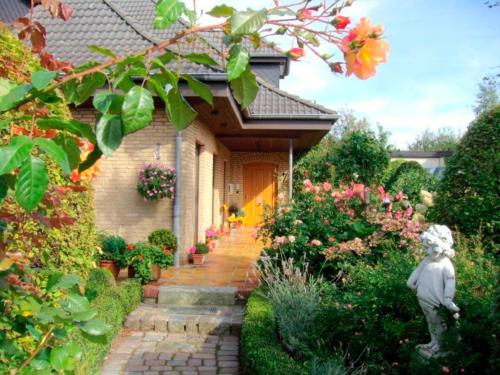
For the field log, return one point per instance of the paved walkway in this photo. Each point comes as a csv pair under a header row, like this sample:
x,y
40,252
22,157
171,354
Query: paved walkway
x,y
155,353
146,350
232,264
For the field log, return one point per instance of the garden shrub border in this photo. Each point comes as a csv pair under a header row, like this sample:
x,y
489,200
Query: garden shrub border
x,y
112,305
262,351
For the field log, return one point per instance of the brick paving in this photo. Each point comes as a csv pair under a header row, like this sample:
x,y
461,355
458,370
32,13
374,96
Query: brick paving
x,y
161,353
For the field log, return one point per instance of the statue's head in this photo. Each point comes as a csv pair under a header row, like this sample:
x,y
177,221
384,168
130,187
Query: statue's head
x,y
438,241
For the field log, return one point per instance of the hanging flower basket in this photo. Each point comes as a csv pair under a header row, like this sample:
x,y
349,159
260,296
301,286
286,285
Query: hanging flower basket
x,y
156,182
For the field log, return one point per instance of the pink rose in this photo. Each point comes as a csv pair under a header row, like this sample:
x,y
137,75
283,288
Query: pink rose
x,y
291,239
316,242
327,186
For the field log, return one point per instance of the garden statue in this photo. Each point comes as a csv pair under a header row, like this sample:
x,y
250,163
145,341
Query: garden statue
x,y
434,281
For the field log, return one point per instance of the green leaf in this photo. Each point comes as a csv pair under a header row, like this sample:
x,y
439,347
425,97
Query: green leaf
x,y
14,154
71,149
95,327
65,282
91,159
221,11
102,101
87,87
75,127
245,88
84,316
5,86
162,60
4,188
77,304
65,357
167,12
247,22
4,123
238,62
125,82
101,50
14,95
31,183
201,58
39,364
199,88
109,133
53,280
179,111
41,78
55,151
137,110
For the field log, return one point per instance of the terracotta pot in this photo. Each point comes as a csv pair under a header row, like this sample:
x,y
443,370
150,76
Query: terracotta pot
x,y
111,266
213,244
198,259
156,271
131,272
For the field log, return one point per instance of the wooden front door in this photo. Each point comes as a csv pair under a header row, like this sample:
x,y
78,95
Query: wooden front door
x,y
259,189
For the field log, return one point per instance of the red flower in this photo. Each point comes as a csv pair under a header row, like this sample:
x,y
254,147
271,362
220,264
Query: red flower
x,y
304,14
130,246
341,22
296,53
166,251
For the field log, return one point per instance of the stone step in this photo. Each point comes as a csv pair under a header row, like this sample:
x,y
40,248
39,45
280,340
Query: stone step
x,y
196,295
212,320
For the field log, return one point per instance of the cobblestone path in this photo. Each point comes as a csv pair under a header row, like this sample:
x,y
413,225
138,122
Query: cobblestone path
x,y
155,353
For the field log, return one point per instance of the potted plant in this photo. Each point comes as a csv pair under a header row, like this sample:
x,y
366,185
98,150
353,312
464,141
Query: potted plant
x,y
212,235
113,254
148,260
236,216
163,238
156,182
199,253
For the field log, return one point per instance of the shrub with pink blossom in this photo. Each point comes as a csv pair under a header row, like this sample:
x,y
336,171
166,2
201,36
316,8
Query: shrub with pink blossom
x,y
156,182
328,227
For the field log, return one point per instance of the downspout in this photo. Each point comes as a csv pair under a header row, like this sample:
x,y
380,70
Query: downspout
x,y
177,194
290,169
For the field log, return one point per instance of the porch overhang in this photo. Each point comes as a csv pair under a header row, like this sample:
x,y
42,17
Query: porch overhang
x,y
241,131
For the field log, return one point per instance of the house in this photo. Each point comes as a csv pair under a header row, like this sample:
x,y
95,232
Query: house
x,y
226,156
432,161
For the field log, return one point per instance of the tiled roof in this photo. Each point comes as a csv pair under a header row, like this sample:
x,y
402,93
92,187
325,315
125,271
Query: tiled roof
x,y
125,26
11,9
271,102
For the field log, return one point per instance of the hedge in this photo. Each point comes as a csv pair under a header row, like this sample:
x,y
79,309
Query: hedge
x,y
112,303
262,352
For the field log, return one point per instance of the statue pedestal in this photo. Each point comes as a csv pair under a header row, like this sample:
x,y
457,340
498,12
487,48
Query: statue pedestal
x,y
426,353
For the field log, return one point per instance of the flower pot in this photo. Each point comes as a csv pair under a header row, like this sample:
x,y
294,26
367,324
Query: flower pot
x,y
131,272
198,259
155,271
213,244
111,266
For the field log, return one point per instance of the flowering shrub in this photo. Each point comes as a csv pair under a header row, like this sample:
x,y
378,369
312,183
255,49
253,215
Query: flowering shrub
x,y
328,227
156,182
163,238
212,233
143,255
199,248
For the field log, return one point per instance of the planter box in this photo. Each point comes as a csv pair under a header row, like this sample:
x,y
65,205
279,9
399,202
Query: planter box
x,y
199,259
111,266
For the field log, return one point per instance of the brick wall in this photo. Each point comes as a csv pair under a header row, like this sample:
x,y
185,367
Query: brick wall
x,y
238,159
119,208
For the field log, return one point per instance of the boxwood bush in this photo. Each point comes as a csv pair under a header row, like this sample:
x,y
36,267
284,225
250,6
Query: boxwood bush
x,y
262,351
410,178
113,302
468,194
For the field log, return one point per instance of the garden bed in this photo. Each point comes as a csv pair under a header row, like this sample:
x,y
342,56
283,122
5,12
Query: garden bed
x,y
262,351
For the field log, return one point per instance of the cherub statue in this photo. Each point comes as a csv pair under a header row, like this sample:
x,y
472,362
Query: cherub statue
x,y
434,281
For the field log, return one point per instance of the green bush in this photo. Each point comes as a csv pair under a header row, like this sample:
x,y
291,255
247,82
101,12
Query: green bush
x,y
468,194
100,279
112,306
361,156
411,178
201,248
163,238
143,255
379,320
70,248
115,248
262,352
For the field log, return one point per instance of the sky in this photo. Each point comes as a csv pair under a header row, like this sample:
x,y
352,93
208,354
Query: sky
x,y
439,52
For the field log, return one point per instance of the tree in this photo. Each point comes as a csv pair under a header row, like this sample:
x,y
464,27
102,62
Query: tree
x,y
444,139
348,123
488,95
468,195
